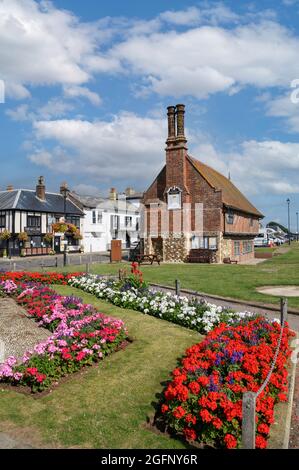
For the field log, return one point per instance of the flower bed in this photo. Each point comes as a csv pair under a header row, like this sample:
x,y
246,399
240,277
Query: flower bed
x,y
42,278
192,313
81,336
203,401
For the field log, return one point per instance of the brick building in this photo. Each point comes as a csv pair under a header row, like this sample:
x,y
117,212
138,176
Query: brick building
x,y
191,210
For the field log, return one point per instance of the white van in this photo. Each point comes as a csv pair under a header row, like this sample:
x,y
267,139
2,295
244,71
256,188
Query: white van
x,y
262,238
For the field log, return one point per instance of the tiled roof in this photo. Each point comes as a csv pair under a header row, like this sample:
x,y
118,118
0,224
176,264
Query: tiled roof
x,y
7,199
231,195
26,200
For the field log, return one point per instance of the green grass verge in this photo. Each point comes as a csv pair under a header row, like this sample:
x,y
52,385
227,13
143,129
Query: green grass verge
x,y
236,281
106,406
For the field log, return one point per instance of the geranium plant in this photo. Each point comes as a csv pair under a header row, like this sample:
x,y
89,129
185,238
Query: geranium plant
x,y
203,400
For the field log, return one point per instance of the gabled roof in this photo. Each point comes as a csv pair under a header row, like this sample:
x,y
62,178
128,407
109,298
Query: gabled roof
x,y
231,195
26,200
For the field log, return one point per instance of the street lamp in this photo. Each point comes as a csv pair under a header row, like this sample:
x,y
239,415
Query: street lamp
x,y
297,230
289,227
64,193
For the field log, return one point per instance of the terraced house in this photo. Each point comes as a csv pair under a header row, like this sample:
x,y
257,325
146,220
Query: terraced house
x,y
192,212
27,216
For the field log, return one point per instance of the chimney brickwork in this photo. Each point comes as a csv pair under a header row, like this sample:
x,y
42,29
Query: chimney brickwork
x,y
41,188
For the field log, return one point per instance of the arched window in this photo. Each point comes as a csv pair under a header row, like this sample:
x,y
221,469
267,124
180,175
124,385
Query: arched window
x,y
174,198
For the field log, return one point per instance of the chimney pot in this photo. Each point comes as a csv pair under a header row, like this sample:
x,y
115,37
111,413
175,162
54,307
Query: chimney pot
x,y
171,123
180,114
113,194
9,188
41,188
63,188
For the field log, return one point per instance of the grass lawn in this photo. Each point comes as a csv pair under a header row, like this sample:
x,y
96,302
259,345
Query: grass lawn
x,y
106,406
236,281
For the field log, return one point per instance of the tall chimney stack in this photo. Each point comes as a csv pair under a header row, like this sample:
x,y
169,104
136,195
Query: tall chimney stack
x,y
180,122
171,124
41,188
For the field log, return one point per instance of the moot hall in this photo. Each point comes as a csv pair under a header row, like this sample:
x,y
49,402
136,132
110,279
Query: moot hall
x,y
229,222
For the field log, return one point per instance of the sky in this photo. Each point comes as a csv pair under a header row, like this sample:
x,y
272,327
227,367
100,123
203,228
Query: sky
x,y
84,88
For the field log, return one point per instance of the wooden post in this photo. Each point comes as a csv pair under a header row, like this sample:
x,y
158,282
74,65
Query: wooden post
x,y
177,287
283,310
248,420
56,263
14,267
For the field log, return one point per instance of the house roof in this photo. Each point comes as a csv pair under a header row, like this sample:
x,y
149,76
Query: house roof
x,y
106,204
231,195
26,200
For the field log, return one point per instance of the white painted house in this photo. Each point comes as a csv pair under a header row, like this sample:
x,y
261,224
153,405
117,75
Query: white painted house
x,y
107,219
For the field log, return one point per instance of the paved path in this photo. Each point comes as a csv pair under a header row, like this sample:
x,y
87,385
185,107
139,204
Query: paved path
x,y
18,332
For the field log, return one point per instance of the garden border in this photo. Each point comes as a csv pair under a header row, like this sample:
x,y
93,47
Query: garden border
x,y
270,307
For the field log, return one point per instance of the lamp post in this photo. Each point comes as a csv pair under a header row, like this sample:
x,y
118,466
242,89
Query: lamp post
x,y
64,192
289,228
297,229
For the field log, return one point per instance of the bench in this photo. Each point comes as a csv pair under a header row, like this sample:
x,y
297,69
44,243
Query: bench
x,y
201,255
230,261
148,259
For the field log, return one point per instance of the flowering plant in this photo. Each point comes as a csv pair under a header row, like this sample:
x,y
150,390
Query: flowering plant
x,y
203,401
5,235
23,237
42,278
80,336
193,313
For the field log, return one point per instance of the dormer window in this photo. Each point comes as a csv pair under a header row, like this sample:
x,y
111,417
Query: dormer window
x,y
174,198
230,217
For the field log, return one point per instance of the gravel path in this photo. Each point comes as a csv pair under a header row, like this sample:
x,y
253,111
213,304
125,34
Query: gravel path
x,y
18,333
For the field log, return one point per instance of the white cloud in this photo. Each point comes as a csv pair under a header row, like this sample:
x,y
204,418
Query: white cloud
x,y
80,91
283,107
208,59
128,147
214,14
54,108
42,45
257,168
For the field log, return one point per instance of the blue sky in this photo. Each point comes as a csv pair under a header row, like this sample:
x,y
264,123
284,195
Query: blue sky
x,y
87,85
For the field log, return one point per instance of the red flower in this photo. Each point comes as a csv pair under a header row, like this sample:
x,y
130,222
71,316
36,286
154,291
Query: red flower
x,y
179,412
190,419
217,423
230,441
263,429
189,434
260,442
164,408
194,387
206,416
